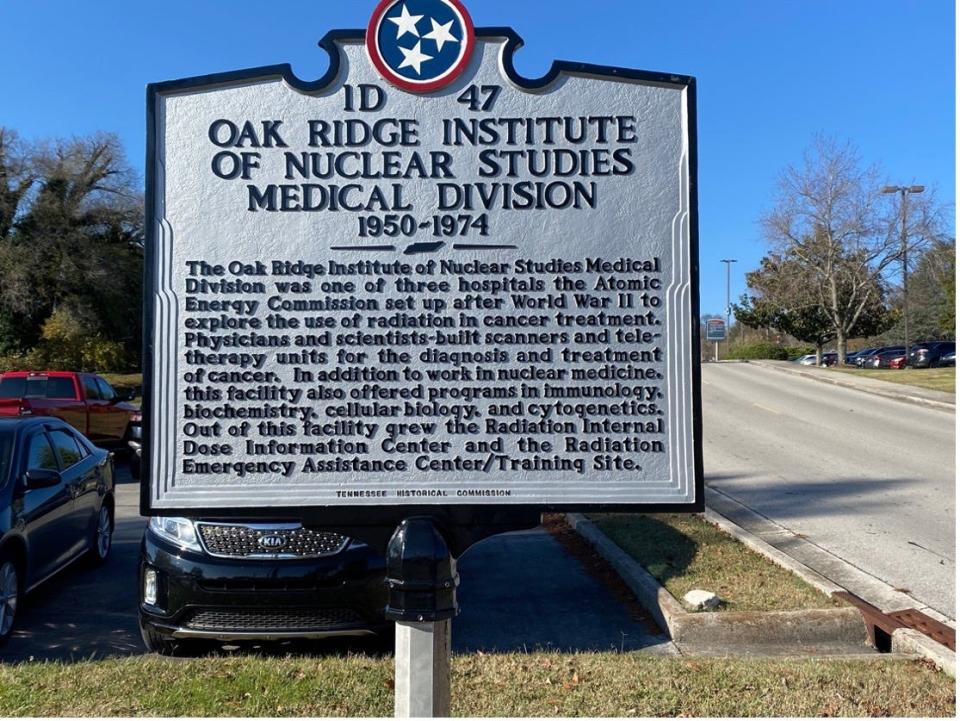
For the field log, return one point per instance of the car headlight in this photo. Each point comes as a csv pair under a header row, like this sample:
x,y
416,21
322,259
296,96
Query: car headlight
x,y
179,531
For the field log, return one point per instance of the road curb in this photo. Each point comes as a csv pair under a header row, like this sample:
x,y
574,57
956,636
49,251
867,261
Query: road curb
x,y
758,545
838,380
746,631
909,641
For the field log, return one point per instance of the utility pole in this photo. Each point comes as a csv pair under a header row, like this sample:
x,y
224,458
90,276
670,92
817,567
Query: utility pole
x,y
728,263
903,190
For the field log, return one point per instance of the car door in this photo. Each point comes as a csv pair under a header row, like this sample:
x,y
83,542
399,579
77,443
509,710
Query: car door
x,y
46,512
97,409
116,417
81,476
65,401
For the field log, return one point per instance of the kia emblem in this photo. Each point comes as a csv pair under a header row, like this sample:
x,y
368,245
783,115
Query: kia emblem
x,y
273,542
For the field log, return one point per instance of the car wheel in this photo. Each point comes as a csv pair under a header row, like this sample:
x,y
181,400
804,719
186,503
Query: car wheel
x,y
158,643
11,589
155,642
102,539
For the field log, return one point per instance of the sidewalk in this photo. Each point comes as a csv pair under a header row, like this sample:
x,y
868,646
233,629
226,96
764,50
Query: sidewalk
x,y
908,394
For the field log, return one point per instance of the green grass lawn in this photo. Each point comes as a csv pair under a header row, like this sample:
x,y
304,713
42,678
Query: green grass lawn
x,y
511,685
685,552
935,379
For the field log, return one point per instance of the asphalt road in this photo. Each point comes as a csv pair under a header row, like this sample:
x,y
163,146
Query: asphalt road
x,y
870,480
518,592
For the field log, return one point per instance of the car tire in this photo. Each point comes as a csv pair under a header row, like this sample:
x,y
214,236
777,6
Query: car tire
x,y
156,642
11,593
101,537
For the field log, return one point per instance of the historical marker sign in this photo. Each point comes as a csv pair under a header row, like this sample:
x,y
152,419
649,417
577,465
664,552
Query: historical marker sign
x,y
716,330
422,280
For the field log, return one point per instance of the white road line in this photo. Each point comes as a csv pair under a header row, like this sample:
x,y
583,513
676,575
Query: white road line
x,y
768,410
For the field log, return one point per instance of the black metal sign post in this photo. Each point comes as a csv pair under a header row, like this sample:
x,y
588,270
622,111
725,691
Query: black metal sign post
x,y
422,579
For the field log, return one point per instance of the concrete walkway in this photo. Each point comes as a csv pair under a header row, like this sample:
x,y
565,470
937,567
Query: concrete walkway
x,y
522,592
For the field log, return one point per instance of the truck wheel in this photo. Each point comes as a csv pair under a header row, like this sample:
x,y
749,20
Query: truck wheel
x,y
11,590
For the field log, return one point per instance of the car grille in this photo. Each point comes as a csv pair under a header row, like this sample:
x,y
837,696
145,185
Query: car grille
x,y
240,541
297,619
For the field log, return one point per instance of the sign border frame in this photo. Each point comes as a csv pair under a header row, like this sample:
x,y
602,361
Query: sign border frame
x,y
392,514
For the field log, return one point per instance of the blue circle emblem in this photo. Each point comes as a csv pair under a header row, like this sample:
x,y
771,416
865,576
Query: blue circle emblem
x,y
420,45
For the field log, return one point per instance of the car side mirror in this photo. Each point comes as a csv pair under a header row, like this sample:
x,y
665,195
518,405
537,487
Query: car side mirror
x,y
41,478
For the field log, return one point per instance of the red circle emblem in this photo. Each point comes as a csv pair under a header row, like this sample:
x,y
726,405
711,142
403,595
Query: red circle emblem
x,y
420,45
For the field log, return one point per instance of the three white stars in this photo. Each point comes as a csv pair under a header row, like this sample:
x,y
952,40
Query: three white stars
x,y
407,23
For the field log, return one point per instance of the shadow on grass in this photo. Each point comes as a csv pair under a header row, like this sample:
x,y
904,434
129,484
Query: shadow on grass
x,y
663,550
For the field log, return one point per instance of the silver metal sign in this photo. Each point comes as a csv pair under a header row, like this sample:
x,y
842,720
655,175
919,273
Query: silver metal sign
x,y
422,280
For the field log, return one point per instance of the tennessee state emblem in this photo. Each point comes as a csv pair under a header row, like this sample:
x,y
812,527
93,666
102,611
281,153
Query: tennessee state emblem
x,y
420,45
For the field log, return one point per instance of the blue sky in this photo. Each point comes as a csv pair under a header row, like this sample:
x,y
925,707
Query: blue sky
x,y
771,74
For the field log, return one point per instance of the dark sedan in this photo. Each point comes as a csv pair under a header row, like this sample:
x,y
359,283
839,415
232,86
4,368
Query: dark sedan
x,y
929,353
56,506
230,581
949,359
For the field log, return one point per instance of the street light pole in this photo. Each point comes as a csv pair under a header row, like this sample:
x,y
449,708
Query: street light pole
x,y
728,264
904,190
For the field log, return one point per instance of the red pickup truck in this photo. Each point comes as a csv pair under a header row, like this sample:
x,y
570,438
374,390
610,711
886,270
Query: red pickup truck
x,y
84,400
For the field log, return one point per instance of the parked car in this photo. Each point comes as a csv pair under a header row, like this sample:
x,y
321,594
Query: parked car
x,y
84,400
229,580
135,443
928,354
949,359
898,362
869,360
859,357
829,359
883,358
56,506
807,360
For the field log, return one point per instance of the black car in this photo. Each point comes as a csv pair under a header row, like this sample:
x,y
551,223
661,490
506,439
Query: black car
x,y
928,354
229,581
949,359
56,506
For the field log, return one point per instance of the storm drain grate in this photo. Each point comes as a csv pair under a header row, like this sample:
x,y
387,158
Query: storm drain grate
x,y
939,632
880,625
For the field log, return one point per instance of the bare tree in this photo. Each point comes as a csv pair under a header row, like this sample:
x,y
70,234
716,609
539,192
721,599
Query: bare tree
x,y
831,217
16,179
